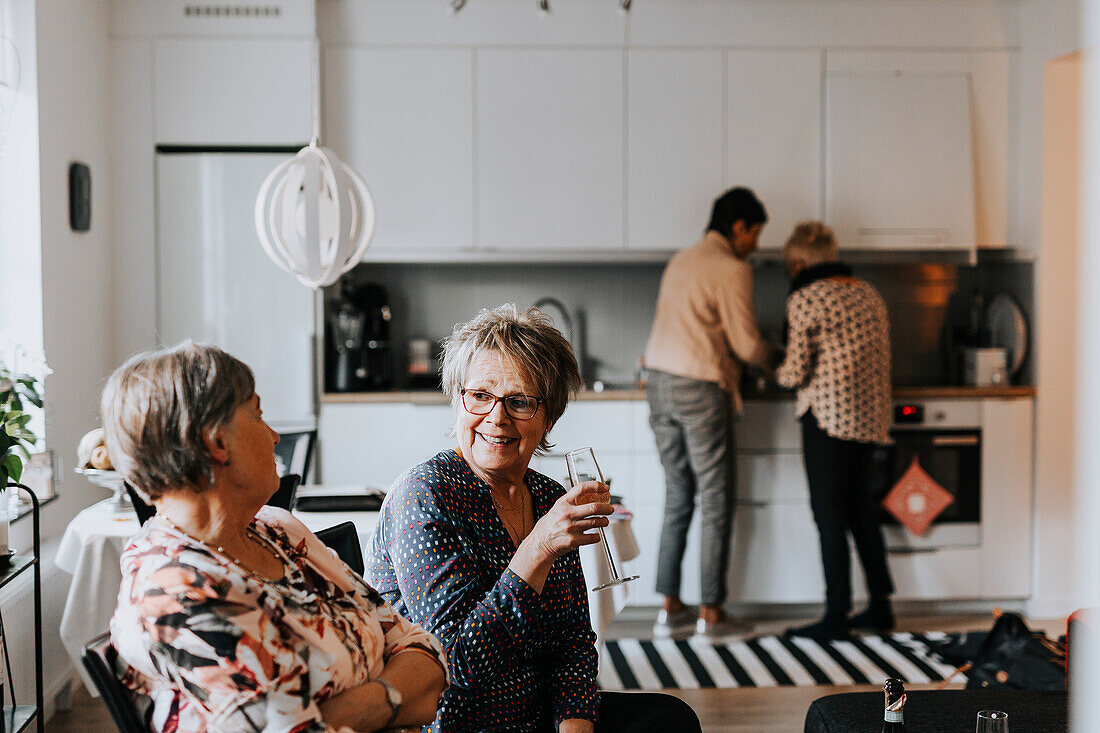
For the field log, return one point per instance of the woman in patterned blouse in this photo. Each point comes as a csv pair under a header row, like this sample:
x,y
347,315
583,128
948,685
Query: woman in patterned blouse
x,y
232,615
838,358
481,550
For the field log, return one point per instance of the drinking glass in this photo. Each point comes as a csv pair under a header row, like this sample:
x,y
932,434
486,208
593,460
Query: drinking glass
x,y
992,721
583,467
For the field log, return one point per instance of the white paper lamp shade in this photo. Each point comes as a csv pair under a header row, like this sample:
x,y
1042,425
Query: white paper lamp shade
x,y
314,216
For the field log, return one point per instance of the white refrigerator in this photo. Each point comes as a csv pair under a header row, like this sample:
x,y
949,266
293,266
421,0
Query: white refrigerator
x,y
216,285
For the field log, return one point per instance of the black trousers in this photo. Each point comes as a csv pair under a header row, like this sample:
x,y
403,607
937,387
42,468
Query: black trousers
x,y
642,712
839,474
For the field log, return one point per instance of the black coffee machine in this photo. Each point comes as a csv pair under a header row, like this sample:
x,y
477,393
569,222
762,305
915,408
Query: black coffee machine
x,y
358,353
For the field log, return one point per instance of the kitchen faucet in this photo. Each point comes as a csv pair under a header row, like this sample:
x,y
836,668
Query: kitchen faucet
x,y
564,322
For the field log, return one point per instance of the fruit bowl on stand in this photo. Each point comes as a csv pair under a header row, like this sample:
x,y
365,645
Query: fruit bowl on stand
x,y
120,502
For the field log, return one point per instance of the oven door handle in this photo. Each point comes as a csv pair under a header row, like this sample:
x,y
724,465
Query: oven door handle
x,y
955,440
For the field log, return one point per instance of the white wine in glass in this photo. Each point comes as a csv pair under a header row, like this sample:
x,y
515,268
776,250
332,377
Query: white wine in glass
x,y
583,467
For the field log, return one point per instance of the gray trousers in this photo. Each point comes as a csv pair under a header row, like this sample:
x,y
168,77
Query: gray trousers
x,y
693,424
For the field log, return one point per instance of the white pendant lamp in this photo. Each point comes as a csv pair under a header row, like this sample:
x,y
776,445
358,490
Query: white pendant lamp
x,y
314,214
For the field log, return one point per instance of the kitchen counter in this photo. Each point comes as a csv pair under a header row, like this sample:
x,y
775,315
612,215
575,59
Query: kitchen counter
x,y
431,397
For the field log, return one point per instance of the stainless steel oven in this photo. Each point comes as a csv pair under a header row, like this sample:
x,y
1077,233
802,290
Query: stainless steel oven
x,y
946,438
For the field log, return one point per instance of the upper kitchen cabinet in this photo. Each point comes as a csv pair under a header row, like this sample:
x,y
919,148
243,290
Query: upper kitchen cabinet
x,y
550,149
233,91
900,171
917,149
403,118
773,132
675,140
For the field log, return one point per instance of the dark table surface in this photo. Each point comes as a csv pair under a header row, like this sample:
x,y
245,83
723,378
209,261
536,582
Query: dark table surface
x,y
943,711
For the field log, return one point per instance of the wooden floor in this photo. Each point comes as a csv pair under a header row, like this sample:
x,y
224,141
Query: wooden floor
x,y
755,710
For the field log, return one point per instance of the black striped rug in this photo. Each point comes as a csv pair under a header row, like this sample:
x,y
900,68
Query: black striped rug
x,y
769,661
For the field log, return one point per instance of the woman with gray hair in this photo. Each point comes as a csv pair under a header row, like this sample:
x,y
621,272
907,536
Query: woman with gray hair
x,y
838,358
232,616
482,551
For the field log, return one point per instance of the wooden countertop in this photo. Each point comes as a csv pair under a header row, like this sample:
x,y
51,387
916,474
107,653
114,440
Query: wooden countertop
x,y
429,397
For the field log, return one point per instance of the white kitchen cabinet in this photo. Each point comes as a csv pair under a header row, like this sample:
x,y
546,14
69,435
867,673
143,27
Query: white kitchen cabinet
x,y
900,162
403,118
549,149
1007,496
675,138
233,91
773,131
373,444
774,555
768,426
603,425
990,75
771,478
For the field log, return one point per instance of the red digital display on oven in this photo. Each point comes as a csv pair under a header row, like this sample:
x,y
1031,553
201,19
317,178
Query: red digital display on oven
x,y
908,413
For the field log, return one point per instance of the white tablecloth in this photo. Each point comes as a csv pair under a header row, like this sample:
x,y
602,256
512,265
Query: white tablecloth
x,y
91,550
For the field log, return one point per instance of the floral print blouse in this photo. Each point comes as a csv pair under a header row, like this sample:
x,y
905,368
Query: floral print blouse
x,y
217,648
519,660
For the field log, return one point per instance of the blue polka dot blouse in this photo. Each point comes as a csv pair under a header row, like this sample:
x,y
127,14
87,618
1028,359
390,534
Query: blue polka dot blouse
x,y
518,660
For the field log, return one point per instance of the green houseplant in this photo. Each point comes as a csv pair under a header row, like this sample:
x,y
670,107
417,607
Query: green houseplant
x,y
20,388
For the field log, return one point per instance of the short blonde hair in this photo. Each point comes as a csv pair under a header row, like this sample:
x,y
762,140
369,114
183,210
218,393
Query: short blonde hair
x,y
157,407
813,242
529,341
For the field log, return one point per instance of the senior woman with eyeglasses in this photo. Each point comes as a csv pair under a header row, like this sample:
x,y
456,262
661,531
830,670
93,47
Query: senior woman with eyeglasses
x,y
232,615
482,551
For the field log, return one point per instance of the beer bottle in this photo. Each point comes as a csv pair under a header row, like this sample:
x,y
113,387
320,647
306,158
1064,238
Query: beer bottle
x,y
893,717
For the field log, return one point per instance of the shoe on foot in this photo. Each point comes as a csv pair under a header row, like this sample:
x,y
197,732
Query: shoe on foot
x,y
670,625
875,618
723,628
827,629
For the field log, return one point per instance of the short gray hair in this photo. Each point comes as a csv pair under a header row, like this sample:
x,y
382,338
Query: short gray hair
x,y
157,407
813,242
530,341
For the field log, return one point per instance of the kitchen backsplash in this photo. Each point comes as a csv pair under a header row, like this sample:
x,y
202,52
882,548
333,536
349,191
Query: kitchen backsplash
x,y
613,305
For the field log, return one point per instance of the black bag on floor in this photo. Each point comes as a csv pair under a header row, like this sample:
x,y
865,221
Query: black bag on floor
x,y
1010,656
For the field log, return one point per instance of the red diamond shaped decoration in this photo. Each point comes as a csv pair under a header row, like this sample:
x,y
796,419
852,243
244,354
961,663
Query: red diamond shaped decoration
x,y
916,499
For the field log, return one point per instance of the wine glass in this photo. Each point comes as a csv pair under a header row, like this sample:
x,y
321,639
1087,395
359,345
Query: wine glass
x,y
992,721
583,467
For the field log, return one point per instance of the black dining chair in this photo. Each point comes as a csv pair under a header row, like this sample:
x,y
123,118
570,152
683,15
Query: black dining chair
x,y
144,511
344,539
295,450
283,497
104,667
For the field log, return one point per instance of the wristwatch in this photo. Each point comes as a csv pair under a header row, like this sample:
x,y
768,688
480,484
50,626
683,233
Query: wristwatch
x,y
393,697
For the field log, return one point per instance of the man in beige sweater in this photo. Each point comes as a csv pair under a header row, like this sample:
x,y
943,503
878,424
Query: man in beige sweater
x,y
703,333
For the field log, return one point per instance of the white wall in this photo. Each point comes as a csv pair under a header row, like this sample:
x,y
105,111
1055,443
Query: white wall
x,y
1049,153
74,103
20,223
1049,29
63,278
1056,341
1085,661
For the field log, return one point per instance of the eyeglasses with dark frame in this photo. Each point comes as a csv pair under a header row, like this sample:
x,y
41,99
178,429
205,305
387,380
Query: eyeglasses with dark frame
x,y
517,406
